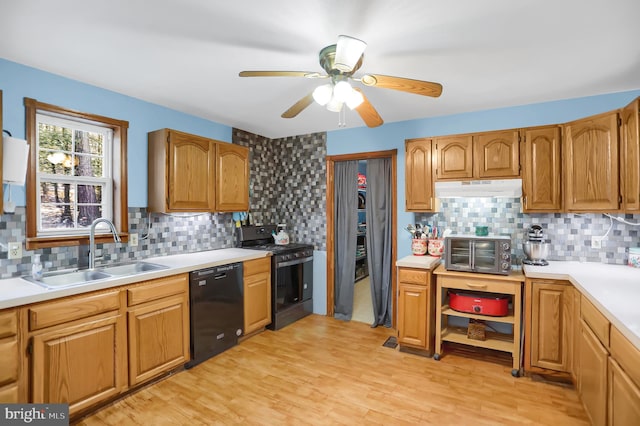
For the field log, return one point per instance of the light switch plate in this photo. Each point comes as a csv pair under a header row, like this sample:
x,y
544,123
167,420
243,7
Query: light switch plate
x,y
15,250
596,242
133,240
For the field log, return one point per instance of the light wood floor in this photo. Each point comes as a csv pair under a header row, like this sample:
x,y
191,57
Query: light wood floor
x,y
362,304
323,371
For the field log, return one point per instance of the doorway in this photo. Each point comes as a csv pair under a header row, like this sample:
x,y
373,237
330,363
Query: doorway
x,y
331,223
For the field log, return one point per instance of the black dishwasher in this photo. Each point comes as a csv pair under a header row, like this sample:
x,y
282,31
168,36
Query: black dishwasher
x,y
216,310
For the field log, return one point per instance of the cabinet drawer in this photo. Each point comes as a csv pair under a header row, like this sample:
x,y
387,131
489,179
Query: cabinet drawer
x,y
598,323
8,323
480,284
53,313
626,355
9,394
157,289
9,364
256,266
413,276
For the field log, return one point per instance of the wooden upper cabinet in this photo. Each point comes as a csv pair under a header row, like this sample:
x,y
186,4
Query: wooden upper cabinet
x,y
496,154
419,175
454,157
232,178
590,149
630,157
541,169
189,173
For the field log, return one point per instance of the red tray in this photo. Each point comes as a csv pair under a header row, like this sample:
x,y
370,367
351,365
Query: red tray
x,y
495,305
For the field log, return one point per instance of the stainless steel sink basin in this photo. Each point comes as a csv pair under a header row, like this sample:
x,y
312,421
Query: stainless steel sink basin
x,y
68,279
132,268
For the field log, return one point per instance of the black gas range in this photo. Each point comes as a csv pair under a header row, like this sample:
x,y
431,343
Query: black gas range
x,y
291,273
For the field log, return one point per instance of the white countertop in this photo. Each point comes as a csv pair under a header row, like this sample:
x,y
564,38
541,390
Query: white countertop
x,y
422,262
613,289
17,292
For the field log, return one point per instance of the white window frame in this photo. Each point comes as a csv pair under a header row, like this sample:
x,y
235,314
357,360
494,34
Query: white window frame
x,y
106,181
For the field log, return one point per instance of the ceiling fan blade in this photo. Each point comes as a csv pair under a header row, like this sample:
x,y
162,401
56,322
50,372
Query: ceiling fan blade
x,y
307,74
419,87
367,112
298,106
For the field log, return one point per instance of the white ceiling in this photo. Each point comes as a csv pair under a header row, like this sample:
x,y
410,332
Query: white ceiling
x,y
186,54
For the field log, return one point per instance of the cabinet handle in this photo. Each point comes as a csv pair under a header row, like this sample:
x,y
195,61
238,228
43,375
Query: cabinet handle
x,y
476,285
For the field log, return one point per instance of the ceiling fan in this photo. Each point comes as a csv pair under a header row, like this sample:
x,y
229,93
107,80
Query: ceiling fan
x,y
340,61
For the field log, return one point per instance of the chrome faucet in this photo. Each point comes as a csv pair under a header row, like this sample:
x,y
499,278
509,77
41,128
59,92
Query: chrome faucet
x,y
92,239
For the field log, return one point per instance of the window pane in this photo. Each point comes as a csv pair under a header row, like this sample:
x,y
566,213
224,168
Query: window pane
x,y
87,213
55,192
89,194
54,162
54,137
87,165
57,216
88,142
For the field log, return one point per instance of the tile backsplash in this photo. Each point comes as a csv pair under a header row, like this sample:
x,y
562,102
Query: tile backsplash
x,y
568,233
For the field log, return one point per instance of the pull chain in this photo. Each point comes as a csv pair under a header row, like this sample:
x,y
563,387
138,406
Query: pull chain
x,y
342,118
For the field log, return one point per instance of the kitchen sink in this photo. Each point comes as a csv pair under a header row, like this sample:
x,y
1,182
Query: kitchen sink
x,y
68,279
132,268
74,278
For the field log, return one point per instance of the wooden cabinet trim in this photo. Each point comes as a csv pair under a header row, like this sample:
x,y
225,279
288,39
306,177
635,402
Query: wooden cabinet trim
x,y
49,313
157,289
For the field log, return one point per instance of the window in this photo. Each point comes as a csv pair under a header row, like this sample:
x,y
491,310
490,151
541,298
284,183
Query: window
x,y
77,173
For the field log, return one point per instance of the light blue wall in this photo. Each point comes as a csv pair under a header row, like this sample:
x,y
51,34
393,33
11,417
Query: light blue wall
x,y
393,135
19,81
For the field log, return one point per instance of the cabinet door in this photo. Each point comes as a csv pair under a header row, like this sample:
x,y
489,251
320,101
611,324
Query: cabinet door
x,y
232,178
158,337
497,154
10,356
191,173
624,398
541,170
419,175
412,315
551,326
590,148
257,294
630,157
575,347
593,376
454,157
80,365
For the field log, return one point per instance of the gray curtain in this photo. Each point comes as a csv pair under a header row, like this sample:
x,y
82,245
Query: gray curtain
x,y
346,214
378,211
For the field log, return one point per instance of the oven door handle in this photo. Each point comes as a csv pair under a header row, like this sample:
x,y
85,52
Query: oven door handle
x,y
294,262
472,257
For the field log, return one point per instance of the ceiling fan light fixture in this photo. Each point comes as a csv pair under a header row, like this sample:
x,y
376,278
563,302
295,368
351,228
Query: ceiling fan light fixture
x,y
322,94
342,91
348,53
334,105
355,99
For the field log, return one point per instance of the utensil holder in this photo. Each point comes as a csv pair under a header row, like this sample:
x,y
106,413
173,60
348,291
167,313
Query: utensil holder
x,y
419,246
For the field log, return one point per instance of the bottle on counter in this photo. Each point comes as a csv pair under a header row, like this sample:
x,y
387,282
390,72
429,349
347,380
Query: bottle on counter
x,y
36,268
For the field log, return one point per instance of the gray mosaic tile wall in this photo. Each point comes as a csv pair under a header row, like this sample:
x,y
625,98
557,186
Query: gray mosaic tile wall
x,y
288,183
159,234
569,234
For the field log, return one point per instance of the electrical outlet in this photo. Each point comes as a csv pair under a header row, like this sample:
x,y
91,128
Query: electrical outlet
x,y
15,250
133,240
596,242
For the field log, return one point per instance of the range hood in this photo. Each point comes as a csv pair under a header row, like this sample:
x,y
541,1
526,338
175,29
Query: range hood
x,y
480,188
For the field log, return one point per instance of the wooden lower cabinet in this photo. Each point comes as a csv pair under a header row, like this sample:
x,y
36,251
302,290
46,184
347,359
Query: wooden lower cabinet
x,y
82,364
9,356
550,317
624,398
416,309
158,337
257,294
592,375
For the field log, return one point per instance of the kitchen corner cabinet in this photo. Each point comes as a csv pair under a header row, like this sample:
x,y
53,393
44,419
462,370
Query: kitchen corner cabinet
x,y
541,172
158,327
416,303
549,317
630,157
480,283
189,173
496,154
593,376
590,151
10,356
78,350
419,175
257,294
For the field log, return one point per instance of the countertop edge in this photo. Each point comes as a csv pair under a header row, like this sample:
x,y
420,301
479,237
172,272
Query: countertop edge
x,y
33,293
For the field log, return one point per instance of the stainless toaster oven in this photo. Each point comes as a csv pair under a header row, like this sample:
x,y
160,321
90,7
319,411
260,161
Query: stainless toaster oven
x,y
470,253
